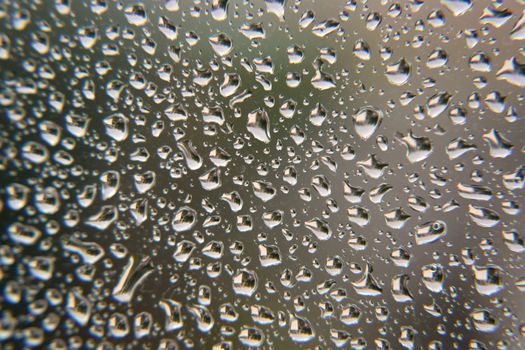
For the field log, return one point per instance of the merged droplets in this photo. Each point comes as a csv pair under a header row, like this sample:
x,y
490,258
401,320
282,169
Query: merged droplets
x,y
245,282
488,279
221,44
430,232
167,28
433,277
326,27
366,121
184,219
258,125
437,103
136,15
78,307
418,148
367,284
483,320
398,73
300,329
230,84
513,71
269,255
458,7
482,216
117,126
499,146
219,10
276,7
319,228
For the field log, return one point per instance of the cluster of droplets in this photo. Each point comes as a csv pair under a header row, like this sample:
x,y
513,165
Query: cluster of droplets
x,y
262,174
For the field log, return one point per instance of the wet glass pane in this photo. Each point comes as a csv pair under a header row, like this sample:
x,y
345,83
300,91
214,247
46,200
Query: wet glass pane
x,y
272,174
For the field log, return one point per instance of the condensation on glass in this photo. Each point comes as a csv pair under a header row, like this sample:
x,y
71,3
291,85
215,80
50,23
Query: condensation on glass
x,y
228,174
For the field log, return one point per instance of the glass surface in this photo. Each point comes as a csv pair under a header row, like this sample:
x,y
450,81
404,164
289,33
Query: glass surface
x,y
229,174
